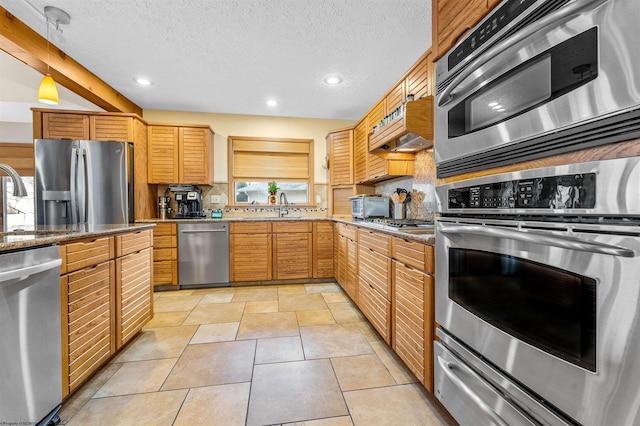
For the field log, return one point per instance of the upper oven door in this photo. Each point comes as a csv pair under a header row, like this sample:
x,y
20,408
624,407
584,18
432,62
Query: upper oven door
x,y
575,65
552,305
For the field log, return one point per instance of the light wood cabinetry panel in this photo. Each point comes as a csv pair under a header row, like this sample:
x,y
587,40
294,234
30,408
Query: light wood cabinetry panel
x,y
134,294
89,252
375,241
491,4
195,144
87,300
360,150
413,323
292,227
418,82
341,157
351,270
63,126
395,97
375,307
111,128
132,242
453,18
165,255
375,268
163,154
293,255
413,253
340,202
251,251
323,249
376,165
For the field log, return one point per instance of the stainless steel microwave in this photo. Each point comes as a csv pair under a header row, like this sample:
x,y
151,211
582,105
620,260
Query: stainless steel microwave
x,y
537,78
365,207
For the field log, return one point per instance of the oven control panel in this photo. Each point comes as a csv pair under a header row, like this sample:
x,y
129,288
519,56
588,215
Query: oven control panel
x,y
549,192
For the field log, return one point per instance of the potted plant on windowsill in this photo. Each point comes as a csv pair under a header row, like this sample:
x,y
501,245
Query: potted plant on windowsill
x,y
272,189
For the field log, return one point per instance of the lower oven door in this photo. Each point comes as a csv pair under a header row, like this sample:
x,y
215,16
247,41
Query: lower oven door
x,y
552,305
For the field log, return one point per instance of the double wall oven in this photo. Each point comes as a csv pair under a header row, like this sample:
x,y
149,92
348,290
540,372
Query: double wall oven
x,y
538,296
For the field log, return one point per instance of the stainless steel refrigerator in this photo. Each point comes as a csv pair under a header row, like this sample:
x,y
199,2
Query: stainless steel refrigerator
x,y
83,181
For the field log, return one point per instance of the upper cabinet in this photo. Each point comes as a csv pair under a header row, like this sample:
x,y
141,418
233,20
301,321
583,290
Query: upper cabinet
x,y
453,18
180,154
340,143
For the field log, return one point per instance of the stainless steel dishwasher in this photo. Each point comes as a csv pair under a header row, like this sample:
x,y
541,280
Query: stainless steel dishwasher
x,y
203,254
30,338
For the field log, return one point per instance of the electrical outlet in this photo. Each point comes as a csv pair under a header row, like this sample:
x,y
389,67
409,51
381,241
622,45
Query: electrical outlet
x,y
215,199
318,199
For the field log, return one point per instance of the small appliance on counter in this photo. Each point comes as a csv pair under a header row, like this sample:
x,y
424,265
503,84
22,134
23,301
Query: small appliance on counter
x,y
188,200
369,206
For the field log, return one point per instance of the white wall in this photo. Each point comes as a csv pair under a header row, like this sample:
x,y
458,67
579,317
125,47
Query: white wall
x,y
225,125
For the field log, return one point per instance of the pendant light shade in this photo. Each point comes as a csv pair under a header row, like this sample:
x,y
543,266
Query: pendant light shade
x,y
48,92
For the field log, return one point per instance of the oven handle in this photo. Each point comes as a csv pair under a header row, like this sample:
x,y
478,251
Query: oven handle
x,y
447,366
572,9
527,237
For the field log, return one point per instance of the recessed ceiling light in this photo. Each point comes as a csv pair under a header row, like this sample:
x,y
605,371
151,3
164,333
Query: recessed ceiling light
x,y
142,81
332,80
271,103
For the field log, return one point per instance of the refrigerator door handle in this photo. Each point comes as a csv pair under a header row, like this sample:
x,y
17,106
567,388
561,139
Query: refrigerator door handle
x,y
73,185
85,190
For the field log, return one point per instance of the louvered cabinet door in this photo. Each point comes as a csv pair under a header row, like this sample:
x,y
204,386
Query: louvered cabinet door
x,y
65,126
341,144
110,128
194,155
163,154
360,151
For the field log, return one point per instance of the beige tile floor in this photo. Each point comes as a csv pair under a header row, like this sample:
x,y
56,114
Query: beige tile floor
x,y
281,355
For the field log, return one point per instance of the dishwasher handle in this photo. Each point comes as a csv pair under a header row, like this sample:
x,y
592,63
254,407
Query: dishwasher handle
x,y
203,230
29,270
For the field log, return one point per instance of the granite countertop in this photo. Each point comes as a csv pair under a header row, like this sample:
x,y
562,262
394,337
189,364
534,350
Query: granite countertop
x,y
55,234
425,235
233,219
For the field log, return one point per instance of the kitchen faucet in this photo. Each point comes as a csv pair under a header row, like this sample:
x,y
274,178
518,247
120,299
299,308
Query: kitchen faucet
x,y
286,203
18,185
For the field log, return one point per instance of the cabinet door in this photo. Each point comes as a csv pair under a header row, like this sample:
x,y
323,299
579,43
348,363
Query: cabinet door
x,y
323,250
163,154
417,81
88,304
375,163
454,18
361,150
293,255
250,257
413,321
351,270
194,155
341,146
376,308
65,126
110,128
395,97
376,269
133,294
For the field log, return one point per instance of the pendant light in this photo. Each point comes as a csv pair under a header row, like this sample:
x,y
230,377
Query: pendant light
x,y
48,92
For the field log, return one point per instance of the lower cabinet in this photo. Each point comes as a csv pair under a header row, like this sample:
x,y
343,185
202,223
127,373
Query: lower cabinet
x,y
250,255
292,250
106,298
323,249
165,255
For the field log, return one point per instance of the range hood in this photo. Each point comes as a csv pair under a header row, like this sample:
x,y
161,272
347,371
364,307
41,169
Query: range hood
x,y
409,132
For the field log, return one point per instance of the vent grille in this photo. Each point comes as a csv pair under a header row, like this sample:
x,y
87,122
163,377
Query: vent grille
x,y
607,130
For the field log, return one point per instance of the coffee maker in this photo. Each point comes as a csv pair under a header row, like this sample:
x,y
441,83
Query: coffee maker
x,y
188,201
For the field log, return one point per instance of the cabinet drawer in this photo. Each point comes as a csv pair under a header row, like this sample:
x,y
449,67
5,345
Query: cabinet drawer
x,y
164,229
374,241
165,272
165,241
296,226
348,231
88,252
323,226
249,227
375,268
160,254
132,242
413,253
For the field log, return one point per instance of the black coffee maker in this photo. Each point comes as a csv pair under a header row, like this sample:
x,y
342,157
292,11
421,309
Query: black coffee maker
x,y
188,201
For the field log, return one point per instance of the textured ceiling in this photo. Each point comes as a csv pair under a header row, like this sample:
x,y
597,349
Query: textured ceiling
x,y
231,56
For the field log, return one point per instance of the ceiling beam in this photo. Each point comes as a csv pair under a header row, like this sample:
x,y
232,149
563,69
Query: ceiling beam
x,y
26,45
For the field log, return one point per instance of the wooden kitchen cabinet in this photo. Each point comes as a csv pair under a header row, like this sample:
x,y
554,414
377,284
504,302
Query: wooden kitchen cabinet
x,y
134,286
418,81
340,143
323,249
180,154
251,251
413,308
361,150
452,19
346,264
165,255
292,250
395,97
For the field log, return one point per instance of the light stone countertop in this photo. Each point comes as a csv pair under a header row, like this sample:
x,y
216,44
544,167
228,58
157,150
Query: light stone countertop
x,y
47,235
